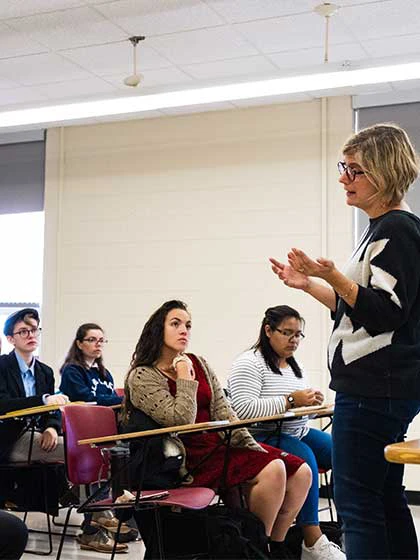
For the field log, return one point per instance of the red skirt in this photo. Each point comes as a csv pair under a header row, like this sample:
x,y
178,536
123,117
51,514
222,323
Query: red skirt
x,y
243,465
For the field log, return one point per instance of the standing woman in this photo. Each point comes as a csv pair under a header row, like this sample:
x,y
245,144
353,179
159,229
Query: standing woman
x,y
268,380
374,350
83,374
174,389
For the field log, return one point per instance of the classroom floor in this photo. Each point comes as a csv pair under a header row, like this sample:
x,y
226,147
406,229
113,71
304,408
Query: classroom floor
x,y
136,549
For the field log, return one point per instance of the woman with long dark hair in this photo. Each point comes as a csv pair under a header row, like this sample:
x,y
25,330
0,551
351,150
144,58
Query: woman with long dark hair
x,y
267,380
83,374
174,389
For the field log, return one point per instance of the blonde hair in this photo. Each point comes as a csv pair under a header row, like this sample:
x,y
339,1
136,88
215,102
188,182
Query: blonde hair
x,y
388,159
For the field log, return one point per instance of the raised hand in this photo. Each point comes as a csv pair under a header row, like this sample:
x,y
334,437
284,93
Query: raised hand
x,y
290,277
300,262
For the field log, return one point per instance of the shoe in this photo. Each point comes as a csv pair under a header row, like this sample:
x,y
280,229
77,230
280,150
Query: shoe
x,y
323,549
107,520
100,542
70,497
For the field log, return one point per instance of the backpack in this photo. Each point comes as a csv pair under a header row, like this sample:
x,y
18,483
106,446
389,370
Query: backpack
x,y
160,471
215,532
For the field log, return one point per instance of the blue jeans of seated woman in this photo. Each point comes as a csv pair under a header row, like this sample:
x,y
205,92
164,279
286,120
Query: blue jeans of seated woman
x,y
315,449
368,490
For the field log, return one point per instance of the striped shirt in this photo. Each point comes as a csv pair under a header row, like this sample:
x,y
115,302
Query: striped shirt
x,y
255,390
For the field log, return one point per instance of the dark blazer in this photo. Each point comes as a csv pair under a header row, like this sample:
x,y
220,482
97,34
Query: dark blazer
x,y
12,397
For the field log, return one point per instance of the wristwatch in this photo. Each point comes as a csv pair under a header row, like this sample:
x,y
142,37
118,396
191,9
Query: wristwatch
x,y
291,401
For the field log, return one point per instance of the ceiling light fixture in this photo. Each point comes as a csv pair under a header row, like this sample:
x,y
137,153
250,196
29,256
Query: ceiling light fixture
x,y
311,83
134,79
326,10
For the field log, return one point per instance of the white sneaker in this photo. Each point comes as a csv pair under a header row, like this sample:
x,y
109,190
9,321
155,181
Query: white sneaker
x,y
323,549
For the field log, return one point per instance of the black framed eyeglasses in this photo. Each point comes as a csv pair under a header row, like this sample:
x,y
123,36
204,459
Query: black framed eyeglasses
x,y
351,173
24,333
93,340
291,334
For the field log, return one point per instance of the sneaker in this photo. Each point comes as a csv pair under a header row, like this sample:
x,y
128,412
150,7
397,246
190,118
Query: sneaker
x,y
100,542
107,520
323,549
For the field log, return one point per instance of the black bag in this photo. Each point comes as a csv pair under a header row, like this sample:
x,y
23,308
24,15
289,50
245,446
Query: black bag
x,y
159,471
332,530
216,532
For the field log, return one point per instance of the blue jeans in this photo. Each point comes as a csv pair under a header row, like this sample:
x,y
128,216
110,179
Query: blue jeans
x,y
315,449
368,490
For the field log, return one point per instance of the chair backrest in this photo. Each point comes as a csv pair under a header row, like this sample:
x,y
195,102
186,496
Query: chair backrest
x,y
120,391
84,463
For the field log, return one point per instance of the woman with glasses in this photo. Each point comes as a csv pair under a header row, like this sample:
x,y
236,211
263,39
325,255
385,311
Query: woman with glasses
x,y
83,374
85,378
374,349
174,388
267,380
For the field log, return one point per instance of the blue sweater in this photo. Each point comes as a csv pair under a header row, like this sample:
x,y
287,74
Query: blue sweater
x,y
82,384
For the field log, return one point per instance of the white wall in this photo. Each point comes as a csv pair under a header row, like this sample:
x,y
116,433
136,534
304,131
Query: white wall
x,y
191,207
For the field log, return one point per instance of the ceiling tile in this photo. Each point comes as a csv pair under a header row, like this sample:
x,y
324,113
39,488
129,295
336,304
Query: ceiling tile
x,y
315,57
20,8
69,28
13,43
246,10
405,44
249,66
77,89
384,19
115,58
40,68
292,33
20,95
7,83
150,17
153,78
202,46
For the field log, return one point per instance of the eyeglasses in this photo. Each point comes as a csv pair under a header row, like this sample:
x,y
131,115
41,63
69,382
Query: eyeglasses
x,y
291,334
93,340
349,171
25,333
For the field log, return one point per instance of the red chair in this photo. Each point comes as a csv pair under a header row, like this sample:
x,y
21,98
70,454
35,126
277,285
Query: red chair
x,y
86,465
120,391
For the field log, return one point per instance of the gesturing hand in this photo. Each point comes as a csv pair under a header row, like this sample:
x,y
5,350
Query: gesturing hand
x,y
300,262
290,277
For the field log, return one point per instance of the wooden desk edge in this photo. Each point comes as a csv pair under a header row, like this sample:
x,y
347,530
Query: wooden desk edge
x,y
42,409
405,452
203,426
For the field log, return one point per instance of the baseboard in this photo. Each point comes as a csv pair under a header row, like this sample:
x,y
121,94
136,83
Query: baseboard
x,y
413,496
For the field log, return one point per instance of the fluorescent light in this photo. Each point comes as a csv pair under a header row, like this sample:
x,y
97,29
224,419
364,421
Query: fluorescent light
x,y
231,92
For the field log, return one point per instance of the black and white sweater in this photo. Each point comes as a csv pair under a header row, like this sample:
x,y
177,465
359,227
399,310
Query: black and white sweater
x,y
374,350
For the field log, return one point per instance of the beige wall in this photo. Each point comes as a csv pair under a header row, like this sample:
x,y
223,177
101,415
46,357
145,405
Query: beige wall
x,y
191,207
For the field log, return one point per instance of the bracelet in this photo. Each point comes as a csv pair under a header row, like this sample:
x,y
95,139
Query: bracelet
x,y
344,296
